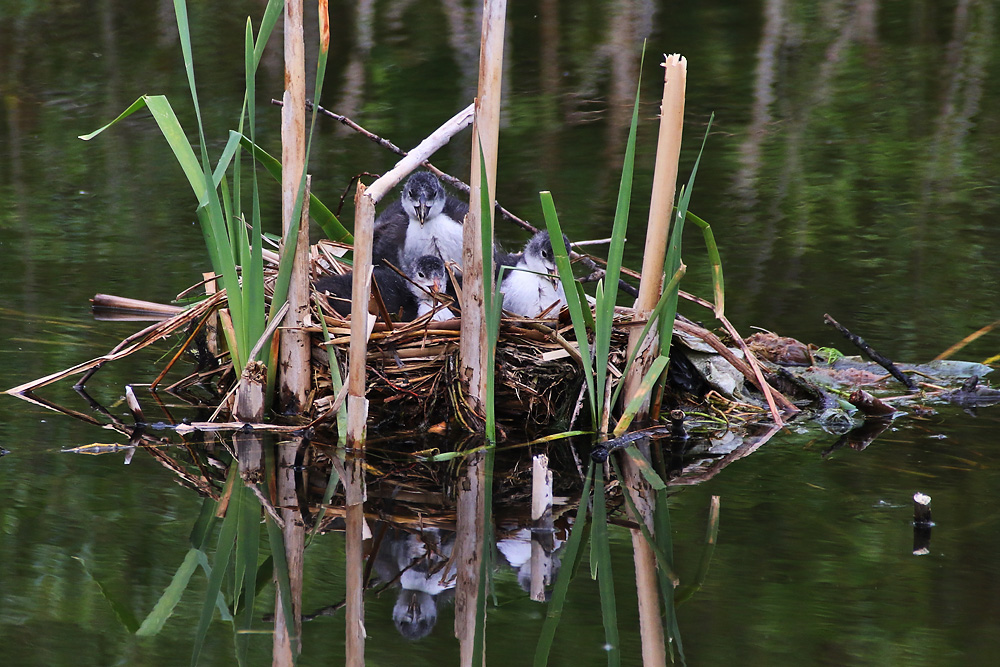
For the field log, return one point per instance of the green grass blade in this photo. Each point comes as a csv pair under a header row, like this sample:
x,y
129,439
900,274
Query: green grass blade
x,y
485,560
164,607
220,601
673,258
645,468
253,267
277,543
271,15
135,106
184,34
171,130
204,524
588,315
227,157
606,303
664,539
122,611
493,305
493,302
646,386
668,295
662,560
245,570
336,381
718,284
571,556
574,305
605,582
223,553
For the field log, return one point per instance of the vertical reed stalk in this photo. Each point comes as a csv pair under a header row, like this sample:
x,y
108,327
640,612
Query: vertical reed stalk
x,y
286,646
354,491
471,526
661,204
357,404
294,343
485,137
296,347
646,581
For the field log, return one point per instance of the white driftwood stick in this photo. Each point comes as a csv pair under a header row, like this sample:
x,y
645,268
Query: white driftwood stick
x,y
423,151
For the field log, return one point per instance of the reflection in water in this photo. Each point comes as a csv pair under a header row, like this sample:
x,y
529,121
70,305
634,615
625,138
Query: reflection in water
x,y
420,563
857,136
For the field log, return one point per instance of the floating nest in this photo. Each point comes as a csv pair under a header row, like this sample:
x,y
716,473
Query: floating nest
x,y
413,380
413,366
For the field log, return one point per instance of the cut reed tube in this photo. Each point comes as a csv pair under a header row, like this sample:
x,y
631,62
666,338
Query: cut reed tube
x,y
668,149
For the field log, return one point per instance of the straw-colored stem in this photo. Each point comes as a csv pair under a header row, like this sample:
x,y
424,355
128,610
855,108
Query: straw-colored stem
x,y
353,478
646,583
661,205
293,156
467,553
293,531
249,406
296,345
473,348
357,404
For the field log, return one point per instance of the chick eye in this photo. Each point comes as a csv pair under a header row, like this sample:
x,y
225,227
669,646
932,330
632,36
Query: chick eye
x,y
420,274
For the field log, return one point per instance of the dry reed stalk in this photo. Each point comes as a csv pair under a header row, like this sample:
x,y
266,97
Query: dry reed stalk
x,y
294,369
134,306
357,404
467,554
293,531
650,286
249,405
212,323
353,478
473,349
646,581
133,343
294,362
668,149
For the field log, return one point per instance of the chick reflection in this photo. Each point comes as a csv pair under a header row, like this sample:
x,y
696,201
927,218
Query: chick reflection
x,y
535,558
420,564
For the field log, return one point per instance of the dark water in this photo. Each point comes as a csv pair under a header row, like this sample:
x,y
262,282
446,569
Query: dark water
x,y
851,169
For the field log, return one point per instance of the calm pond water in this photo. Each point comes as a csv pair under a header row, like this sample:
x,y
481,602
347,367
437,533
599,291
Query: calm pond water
x,y
851,170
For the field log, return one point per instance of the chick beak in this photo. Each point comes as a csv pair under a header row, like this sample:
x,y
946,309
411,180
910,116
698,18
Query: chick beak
x,y
436,286
423,208
553,272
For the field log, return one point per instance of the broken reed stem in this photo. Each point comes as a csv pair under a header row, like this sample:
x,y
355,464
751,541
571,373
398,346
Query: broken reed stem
x,y
353,479
357,404
473,348
668,150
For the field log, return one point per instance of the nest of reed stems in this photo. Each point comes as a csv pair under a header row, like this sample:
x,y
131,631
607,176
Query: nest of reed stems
x,y
412,366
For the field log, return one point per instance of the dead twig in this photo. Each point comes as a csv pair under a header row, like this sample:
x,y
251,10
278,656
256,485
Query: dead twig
x,y
879,359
